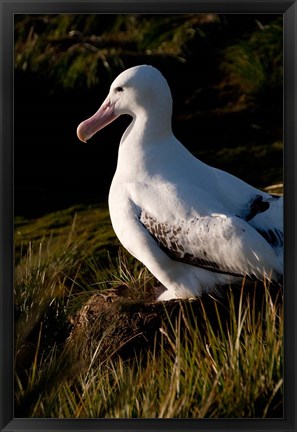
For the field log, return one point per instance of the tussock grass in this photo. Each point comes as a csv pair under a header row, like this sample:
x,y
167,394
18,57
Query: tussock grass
x,y
214,358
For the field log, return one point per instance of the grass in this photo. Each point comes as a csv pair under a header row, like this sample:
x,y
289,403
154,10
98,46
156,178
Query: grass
x,y
212,358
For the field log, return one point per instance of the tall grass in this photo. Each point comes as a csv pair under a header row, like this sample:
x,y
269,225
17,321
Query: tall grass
x,y
214,358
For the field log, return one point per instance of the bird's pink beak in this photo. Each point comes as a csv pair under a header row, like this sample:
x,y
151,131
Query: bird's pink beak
x,y
99,120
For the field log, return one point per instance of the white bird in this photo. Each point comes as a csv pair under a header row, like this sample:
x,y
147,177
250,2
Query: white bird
x,y
193,226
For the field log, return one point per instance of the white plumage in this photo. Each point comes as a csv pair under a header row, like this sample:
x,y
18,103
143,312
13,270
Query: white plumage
x,y
193,226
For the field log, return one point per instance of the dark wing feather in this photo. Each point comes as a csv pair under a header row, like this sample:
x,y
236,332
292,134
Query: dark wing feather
x,y
260,206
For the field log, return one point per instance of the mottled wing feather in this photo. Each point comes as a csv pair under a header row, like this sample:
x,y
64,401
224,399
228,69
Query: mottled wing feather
x,y
206,242
171,238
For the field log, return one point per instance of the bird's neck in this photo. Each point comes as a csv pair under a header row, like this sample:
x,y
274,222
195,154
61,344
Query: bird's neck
x,y
144,142
148,129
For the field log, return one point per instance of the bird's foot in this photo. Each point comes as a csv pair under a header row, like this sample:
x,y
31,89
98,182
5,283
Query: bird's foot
x,y
163,294
159,290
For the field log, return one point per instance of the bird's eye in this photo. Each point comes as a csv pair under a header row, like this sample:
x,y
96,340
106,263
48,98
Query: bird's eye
x,y
119,89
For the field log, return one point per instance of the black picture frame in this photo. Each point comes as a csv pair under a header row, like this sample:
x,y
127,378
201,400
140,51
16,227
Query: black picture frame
x,y
7,10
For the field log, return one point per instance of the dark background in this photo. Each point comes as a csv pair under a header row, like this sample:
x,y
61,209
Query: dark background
x,y
229,116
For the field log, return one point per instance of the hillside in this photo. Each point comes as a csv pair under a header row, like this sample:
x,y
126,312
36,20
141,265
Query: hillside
x,y
84,309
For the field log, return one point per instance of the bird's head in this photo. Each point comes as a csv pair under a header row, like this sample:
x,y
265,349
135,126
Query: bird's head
x,y
136,90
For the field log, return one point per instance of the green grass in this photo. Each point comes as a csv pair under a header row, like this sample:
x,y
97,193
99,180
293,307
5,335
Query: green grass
x,y
214,358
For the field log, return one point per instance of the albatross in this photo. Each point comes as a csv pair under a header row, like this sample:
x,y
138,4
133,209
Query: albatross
x,y
194,227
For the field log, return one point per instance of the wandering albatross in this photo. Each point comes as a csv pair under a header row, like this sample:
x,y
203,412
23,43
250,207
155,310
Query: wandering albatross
x,y
193,226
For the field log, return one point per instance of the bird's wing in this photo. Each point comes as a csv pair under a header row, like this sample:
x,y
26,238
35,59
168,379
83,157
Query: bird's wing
x,y
261,210
216,242
269,222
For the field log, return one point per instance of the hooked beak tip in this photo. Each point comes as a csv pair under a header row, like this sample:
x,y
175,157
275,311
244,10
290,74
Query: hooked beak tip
x,y
99,120
79,134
